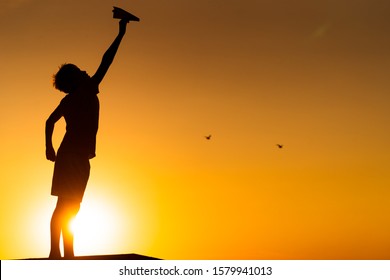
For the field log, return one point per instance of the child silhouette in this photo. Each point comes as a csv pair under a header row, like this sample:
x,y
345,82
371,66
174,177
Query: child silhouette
x,y
80,108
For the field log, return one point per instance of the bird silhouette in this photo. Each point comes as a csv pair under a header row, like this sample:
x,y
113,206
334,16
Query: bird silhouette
x,y
279,146
208,137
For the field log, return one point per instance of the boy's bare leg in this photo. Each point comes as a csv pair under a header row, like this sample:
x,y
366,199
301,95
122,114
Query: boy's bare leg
x,y
72,209
65,211
55,232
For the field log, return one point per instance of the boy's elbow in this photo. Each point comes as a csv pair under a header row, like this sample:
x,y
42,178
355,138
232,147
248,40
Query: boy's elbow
x,y
49,123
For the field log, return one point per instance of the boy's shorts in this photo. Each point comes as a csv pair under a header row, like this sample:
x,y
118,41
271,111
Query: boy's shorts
x,y
71,174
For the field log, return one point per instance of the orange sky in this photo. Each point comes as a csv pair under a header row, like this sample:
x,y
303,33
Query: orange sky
x,y
312,75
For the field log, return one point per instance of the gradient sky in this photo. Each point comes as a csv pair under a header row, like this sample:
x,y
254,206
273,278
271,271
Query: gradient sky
x,y
311,75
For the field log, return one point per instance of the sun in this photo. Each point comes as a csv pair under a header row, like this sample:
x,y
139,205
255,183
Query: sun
x,y
94,227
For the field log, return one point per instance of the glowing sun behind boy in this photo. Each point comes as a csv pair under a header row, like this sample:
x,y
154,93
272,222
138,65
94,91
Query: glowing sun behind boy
x,y
95,227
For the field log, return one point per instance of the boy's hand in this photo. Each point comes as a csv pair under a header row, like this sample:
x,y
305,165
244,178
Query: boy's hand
x,y
122,26
50,154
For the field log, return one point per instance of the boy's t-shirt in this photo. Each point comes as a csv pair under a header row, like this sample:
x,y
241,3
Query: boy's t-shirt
x,y
81,112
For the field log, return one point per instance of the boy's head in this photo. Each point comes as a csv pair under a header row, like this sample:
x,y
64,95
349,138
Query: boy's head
x,y
68,78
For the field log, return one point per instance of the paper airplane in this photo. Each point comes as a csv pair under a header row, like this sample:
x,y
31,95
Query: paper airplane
x,y
122,14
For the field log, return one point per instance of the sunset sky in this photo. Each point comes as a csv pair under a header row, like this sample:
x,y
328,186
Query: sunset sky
x,y
311,75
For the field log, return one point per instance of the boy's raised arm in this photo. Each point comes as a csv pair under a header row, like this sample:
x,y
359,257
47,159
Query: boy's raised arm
x,y
109,55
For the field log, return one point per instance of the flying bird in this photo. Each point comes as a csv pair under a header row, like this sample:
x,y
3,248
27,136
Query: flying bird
x,y
279,146
208,137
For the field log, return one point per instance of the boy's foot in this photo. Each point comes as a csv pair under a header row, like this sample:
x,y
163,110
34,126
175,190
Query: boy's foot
x,y
68,258
54,256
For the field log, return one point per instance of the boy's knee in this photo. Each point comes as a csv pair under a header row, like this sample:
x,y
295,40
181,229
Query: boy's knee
x,y
68,205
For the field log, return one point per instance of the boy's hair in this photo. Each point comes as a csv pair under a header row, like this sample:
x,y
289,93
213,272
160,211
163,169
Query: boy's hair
x,y
65,79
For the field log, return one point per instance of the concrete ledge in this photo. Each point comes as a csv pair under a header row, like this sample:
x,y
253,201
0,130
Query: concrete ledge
x,y
107,257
